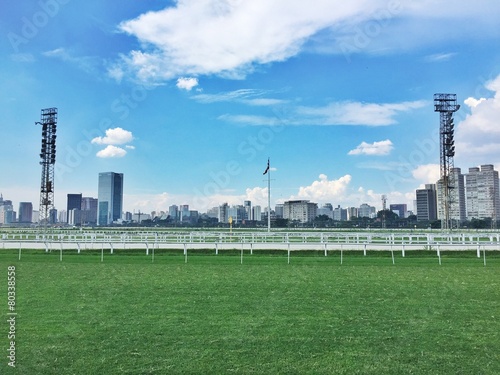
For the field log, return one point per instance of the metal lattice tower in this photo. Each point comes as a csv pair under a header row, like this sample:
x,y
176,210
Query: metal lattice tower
x,y
446,105
384,207
48,159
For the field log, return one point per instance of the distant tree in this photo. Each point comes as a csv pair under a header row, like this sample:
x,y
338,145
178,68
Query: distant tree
x,y
389,215
281,223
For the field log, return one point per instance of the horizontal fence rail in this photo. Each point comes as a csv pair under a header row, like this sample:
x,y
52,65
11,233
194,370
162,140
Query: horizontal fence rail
x,y
252,240
288,242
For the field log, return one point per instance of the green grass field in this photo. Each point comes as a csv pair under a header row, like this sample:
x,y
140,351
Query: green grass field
x,y
213,315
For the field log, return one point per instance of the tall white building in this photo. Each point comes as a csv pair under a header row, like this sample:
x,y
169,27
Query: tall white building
x,y
257,213
482,191
366,210
301,210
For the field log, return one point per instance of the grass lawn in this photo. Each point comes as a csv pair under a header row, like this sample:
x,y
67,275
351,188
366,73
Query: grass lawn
x,y
214,315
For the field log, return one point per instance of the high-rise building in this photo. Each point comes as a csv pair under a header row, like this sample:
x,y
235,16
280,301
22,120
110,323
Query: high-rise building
x,y
365,210
327,210
278,209
74,202
483,196
53,216
89,211
110,197
339,213
399,209
173,212
223,213
62,216
427,203
257,213
456,192
352,212
248,210
301,210
184,212
7,214
25,212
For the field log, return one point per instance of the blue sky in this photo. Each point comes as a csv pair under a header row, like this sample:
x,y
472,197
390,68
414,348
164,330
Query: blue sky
x,y
189,98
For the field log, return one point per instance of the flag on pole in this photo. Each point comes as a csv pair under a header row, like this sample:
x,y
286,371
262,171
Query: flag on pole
x,y
267,169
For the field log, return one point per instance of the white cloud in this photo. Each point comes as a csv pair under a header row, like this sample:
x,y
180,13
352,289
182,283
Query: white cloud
x,y
472,102
111,152
375,148
478,135
231,37
252,120
440,57
427,173
324,190
187,84
356,113
251,97
336,113
115,136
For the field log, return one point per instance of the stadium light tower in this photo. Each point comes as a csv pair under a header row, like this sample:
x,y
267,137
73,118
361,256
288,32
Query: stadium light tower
x,y
48,158
446,105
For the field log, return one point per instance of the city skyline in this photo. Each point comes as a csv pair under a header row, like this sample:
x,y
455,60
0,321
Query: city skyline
x,y
339,98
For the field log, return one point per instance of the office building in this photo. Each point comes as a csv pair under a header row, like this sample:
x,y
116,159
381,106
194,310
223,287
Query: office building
x,y
482,191
257,213
352,212
327,210
25,212
248,210
74,202
173,212
339,214
399,209
89,211
366,210
223,213
300,210
110,197
278,209
426,203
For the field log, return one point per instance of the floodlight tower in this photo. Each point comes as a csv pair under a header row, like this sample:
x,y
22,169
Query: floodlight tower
x,y
446,105
48,158
384,207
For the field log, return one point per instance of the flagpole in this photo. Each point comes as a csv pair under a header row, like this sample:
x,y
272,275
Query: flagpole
x,y
268,197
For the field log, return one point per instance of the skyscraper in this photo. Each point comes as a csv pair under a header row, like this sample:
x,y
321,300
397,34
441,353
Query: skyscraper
x,y
74,202
483,199
89,211
427,203
25,212
110,197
